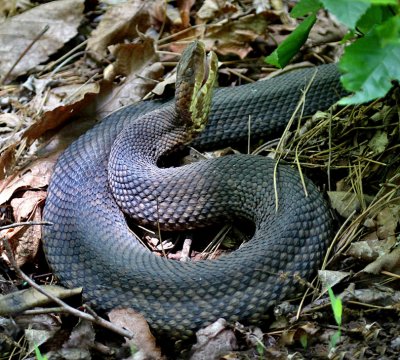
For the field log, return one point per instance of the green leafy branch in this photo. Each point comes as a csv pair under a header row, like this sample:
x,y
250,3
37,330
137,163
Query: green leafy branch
x,y
371,62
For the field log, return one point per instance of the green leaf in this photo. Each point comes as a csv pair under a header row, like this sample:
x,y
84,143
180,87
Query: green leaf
x,y
336,307
371,63
304,340
381,2
375,15
348,12
305,7
335,339
292,44
38,354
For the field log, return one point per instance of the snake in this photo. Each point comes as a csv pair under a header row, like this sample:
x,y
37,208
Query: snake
x,y
115,171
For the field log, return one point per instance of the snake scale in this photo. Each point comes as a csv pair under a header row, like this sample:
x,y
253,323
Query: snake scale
x,y
90,244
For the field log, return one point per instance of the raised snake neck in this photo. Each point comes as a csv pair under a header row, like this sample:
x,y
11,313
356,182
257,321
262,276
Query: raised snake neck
x,y
90,244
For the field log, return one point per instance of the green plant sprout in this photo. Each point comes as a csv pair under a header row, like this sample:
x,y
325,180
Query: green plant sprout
x,y
304,341
337,308
38,354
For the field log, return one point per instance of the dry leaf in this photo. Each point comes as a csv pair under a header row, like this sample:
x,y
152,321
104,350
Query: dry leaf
x,y
330,278
369,248
120,22
65,102
389,262
184,9
378,295
214,341
26,239
35,176
214,8
234,36
173,16
38,328
326,30
143,339
137,62
82,336
346,203
387,220
70,100
17,33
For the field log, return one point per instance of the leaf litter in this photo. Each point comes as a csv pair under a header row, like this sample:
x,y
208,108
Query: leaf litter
x,y
114,55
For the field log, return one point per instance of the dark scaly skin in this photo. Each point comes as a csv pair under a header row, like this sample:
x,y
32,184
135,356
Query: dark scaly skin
x,y
90,245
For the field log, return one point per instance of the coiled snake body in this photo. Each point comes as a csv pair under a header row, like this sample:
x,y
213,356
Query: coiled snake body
x,y
90,244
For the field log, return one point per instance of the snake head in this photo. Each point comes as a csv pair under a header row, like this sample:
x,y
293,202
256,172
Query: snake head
x,y
195,78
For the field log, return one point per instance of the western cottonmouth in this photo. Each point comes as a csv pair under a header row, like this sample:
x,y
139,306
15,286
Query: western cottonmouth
x,y
90,244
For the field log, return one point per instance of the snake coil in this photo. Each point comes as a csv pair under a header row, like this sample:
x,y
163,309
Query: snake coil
x,y
90,244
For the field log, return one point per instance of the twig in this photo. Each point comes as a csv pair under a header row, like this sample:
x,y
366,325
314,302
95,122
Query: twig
x,y
24,52
69,309
62,58
28,223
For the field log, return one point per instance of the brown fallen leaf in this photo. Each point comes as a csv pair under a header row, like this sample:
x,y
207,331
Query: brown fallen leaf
x,y
184,9
388,262
136,61
34,176
40,329
143,339
214,341
326,30
234,36
18,32
387,220
64,102
59,109
26,239
211,9
369,248
122,21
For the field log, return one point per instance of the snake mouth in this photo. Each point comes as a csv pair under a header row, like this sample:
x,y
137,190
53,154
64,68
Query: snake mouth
x,y
196,75
207,64
210,70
